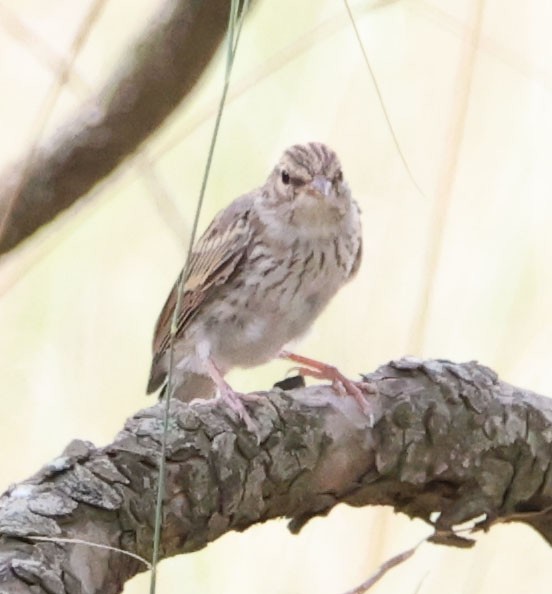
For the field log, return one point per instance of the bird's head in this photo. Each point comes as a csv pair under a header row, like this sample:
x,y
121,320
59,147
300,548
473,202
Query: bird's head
x,y
307,187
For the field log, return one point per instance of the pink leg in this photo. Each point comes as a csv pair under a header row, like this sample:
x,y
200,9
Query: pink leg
x,y
342,385
227,393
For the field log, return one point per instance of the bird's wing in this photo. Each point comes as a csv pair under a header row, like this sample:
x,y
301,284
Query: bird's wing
x,y
213,260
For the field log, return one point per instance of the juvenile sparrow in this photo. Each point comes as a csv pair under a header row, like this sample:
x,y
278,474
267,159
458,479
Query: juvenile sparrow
x,y
259,276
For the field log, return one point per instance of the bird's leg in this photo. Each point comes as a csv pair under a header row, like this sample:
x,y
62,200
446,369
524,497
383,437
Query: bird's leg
x,y
229,395
342,384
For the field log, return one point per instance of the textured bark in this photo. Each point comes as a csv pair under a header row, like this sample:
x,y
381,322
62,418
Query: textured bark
x,y
445,443
157,73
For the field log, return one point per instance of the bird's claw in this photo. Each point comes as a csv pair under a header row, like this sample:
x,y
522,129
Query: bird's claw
x,y
341,384
234,402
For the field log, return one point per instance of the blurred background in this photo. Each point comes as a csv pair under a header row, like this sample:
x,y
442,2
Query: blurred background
x,y
461,272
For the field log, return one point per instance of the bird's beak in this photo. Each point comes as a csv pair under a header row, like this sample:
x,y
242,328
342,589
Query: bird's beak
x,y
320,185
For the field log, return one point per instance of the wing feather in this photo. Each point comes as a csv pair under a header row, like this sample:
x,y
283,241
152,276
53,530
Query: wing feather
x,y
213,260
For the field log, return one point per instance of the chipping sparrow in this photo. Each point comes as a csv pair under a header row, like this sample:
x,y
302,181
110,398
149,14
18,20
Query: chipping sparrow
x,y
258,277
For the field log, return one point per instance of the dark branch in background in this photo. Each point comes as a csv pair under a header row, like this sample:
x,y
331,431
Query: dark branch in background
x,y
158,72
445,443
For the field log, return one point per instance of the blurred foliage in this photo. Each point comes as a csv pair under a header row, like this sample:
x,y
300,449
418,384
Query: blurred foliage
x,y
78,303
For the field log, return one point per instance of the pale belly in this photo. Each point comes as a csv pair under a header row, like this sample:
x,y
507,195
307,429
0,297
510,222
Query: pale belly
x,y
251,339
254,334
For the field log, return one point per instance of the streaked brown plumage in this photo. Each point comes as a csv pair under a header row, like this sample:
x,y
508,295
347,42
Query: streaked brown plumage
x,y
261,273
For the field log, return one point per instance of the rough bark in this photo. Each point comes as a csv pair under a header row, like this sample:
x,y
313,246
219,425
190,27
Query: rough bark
x,y
157,73
445,443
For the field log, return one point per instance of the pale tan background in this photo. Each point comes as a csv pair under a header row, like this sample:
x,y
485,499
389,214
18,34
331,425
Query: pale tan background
x,y
462,273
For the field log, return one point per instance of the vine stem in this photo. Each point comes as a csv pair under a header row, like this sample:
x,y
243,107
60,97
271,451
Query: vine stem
x,y
235,23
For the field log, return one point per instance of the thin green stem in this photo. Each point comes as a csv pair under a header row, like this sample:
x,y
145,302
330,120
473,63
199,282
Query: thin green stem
x,y
234,23
381,102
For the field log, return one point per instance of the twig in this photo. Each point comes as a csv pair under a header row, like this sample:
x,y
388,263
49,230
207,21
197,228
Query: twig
x,y
96,545
384,568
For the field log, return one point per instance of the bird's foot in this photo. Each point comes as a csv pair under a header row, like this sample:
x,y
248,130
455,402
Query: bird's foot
x,y
232,398
341,384
234,401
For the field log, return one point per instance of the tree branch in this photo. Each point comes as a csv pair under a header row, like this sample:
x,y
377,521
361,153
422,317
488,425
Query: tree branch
x,y
445,443
158,72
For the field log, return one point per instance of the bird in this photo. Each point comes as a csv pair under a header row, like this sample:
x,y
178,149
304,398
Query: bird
x,y
259,276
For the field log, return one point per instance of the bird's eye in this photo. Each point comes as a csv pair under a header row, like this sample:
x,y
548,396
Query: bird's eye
x,y
338,176
285,177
